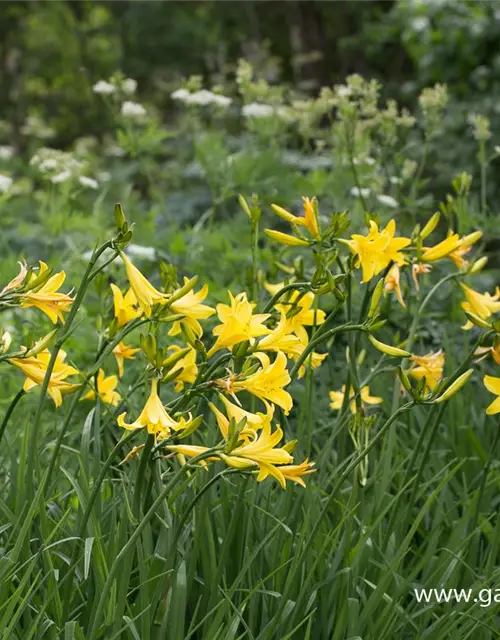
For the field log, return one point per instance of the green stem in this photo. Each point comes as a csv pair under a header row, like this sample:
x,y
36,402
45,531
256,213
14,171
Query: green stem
x,y
135,536
255,260
281,293
9,411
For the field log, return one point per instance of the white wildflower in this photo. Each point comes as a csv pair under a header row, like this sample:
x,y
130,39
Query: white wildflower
x,y
5,183
133,109
6,152
257,110
85,181
103,88
180,94
364,192
61,177
389,201
129,85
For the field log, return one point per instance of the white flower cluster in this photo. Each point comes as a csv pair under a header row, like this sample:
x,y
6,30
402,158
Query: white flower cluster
x,y
114,85
5,183
202,97
257,110
60,166
133,110
6,152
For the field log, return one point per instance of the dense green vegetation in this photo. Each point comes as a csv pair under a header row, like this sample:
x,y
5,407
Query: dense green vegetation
x,y
209,122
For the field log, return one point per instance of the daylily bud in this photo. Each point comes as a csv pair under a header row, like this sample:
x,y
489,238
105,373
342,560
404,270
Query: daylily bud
x,y
189,334
234,430
378,325
5,341
388,349
41,344
377,294
193,425
456,386
283,213
120,220
478,265
430,226
149,346
479,322
244,205
405,381
285,238
186,288
169,362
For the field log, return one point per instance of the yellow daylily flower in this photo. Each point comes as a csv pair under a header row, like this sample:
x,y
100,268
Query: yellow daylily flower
x,y
286,238
464,248
337,398
125,306
146,295
105,388
261,451
452,247
154,417
238,323
300,313
47,298
16,282
253,420
123,352
378,249
282,339
295,472
35,368
429,367
482,305
190,306
493,386
391,283
309,220
267,383
313,361
186,366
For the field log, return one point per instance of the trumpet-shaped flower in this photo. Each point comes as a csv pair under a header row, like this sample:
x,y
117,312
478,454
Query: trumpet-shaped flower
x,y
35,368
237,413
238,323
123,352
301,313
493,385
105,388
186,366
191,307
482,305
452,247
154,417
391,283
267,383
378,249
308,220
337,398
146,295
429,367
47,298
282,339
125,306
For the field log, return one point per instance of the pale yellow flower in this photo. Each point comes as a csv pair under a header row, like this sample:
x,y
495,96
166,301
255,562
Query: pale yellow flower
x,y
123,352
105,388
125,306
146,295
337,398
482,305
378,249
35,368
186,366
267,383
191,307
391,283
154,417
429,367
238,323
47,298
